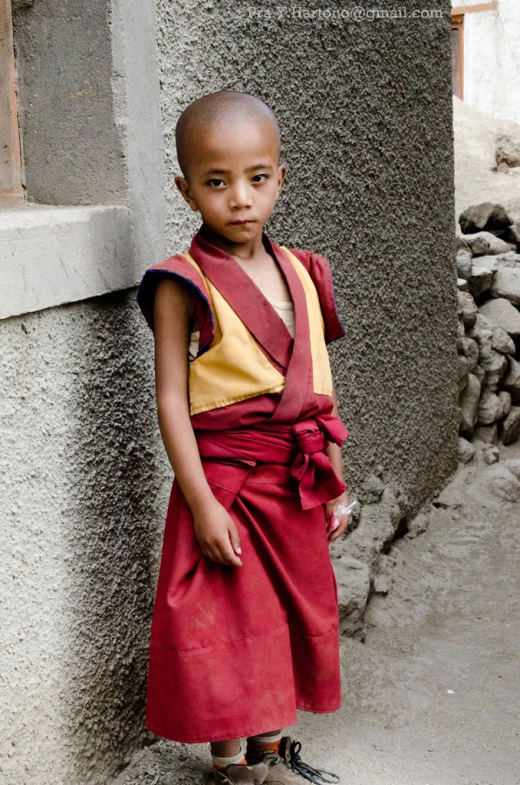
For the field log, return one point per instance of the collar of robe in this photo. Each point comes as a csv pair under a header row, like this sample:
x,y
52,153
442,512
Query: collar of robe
x,y
261,319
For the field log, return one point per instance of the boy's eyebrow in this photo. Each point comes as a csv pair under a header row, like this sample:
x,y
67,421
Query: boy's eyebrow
x,y
226,171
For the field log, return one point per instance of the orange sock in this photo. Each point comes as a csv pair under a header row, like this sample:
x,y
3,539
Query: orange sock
x,y
264,744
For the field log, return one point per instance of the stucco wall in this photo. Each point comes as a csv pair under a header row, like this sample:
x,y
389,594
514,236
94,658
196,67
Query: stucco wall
x,y
84,478
366,115
491,64
84,485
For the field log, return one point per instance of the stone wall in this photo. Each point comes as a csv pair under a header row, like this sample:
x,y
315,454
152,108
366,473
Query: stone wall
x,y
488,265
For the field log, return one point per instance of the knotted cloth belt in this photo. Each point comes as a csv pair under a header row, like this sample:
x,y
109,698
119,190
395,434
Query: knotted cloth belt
x,y
298,448
317,480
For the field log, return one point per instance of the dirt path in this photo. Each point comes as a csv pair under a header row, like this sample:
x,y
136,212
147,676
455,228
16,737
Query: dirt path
x,y
433,695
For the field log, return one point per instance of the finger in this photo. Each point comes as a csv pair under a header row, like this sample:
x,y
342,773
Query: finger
x,y
337,533
235,538
340,529
228,554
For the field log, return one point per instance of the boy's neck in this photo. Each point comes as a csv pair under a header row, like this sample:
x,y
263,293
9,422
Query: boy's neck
x,y
247,250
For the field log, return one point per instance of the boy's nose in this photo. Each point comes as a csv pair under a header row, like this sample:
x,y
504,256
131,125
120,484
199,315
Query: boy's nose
x,y
240,197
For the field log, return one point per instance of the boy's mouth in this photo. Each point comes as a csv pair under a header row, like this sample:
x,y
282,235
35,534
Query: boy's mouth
x,y
242,223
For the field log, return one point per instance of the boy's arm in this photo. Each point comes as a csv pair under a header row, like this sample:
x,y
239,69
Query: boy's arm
x,y
215,530
333,450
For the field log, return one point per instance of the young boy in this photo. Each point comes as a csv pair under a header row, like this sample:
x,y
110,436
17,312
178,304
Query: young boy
x,y
245,624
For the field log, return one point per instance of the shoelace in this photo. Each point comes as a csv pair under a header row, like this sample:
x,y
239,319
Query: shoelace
x,y
222,777
318,776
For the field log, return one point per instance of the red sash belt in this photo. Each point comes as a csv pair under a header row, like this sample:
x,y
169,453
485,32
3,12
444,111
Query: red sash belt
x,y
318,482
300,446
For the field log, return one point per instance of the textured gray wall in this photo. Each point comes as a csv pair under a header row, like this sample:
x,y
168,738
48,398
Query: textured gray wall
x,y
366,115
85,482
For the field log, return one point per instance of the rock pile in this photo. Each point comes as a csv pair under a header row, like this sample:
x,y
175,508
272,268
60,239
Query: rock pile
x,y
359,559
488,269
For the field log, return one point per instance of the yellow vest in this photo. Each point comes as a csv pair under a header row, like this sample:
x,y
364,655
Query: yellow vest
x,y
234,368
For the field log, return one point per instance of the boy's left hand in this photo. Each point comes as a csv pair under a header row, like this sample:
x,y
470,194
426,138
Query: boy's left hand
x,y
343,521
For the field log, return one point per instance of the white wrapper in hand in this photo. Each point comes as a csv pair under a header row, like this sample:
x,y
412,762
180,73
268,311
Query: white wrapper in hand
x,y
338,511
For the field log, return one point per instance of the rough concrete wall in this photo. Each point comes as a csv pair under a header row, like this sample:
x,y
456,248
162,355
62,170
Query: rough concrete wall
x,y
72,149
366,115
84,484
491,69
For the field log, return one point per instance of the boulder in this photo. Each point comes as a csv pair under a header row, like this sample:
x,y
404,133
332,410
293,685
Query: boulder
x,y
480,279
505,400
484,338
511,380
510,259
375,531
460,243
465,450
480,374
510,426
506,284
468,403
462,285
470,349
489,408
353,581
467,309
486,215
463,262
495,367
497,484
501,313
485,243
490,262
464,370
501,341
507,150
512,233
490,454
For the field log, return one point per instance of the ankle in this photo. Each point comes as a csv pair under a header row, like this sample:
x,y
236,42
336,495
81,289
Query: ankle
x,y
220,762
263,744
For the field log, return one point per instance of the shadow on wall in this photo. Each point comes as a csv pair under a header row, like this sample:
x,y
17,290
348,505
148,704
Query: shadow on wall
x,y
111,534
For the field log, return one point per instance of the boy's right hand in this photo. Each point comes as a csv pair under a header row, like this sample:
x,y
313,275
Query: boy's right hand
x,y
217,534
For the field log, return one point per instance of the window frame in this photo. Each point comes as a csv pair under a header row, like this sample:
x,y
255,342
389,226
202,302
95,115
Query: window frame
x,y
13,194
457,23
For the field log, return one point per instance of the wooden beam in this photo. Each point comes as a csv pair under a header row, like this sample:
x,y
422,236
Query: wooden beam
x,y
11,188
471,9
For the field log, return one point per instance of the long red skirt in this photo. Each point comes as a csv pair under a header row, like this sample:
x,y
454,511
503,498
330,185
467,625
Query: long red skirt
x,y
234,651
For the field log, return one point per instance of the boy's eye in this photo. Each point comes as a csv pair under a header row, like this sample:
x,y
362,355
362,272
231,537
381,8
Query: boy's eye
x,y
255,180
215,182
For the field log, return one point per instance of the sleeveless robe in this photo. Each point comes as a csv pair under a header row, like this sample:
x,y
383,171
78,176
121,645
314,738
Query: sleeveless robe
x,y
234,651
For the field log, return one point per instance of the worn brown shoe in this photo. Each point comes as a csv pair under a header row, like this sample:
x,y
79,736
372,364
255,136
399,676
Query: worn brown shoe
x,y
238,774
287,768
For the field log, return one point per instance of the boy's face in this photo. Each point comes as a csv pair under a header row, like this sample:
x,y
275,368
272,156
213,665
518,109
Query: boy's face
x,y
234,177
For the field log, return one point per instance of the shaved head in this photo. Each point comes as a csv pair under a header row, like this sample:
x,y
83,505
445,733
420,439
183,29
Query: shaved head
x,y
225,108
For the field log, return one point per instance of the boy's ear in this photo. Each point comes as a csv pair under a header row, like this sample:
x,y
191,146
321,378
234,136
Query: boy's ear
x,y
184,187
282,171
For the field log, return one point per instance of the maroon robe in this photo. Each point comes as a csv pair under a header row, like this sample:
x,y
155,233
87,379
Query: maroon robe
x,y
234,651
